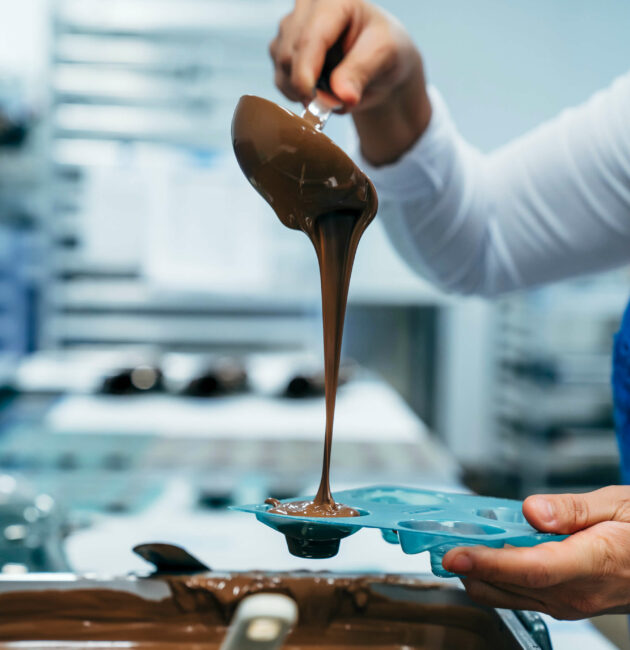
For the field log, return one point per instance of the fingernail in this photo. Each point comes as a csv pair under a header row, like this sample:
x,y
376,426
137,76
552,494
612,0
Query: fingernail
x,y
461,564
546,510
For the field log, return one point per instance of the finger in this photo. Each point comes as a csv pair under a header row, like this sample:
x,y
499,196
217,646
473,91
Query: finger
x,y
372,55
326,22
283,83
526,592
536,567
567,513
572,600
281,48
494,596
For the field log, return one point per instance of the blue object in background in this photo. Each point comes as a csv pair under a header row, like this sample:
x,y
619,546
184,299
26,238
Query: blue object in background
x,y
621,393
19,297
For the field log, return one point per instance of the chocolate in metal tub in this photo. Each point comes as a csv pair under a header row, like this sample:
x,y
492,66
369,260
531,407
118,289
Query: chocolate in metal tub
x,y
168,611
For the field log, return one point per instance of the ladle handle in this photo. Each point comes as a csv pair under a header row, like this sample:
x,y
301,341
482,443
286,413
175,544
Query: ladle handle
x,y
334,57
325,102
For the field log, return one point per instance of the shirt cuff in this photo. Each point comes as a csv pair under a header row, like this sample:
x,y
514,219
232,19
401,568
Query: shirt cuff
x,y
419,173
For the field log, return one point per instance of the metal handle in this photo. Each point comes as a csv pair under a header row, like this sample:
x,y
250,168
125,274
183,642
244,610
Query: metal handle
x,y
535,625
261,622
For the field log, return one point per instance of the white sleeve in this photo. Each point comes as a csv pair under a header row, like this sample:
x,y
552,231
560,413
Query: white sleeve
x,y
552,204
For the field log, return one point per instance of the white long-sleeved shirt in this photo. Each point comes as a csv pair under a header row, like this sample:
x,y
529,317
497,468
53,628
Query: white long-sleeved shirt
x,y
552,204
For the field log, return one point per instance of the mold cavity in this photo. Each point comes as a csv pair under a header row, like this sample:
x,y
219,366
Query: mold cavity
x,y
426,510
452,527
306,509
502,514
400,496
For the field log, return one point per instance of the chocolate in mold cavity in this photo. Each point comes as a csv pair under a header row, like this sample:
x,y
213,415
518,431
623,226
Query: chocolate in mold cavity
x,y
310,509
313,186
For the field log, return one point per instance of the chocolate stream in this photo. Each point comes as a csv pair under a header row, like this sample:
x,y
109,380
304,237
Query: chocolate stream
x,y
313,186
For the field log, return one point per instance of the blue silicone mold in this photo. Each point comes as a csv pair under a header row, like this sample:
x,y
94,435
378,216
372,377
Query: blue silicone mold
x,y
418,520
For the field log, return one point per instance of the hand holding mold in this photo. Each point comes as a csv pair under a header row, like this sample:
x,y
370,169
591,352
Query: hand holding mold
x,y
584,575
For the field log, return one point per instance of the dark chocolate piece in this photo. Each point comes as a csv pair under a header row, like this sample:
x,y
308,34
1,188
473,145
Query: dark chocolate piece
x,y
168,558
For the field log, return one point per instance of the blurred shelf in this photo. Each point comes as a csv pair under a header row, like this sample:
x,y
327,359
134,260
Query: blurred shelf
x,y
102,295
141,85
155,18
132,123
202,90
185,329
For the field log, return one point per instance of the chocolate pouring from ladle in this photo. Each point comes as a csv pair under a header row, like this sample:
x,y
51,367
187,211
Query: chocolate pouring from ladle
x,y
313,186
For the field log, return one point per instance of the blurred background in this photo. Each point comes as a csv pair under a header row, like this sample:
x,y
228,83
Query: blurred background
x,y
160,330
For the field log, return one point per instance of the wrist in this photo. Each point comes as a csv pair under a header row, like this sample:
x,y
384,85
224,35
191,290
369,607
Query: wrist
x,y
388,130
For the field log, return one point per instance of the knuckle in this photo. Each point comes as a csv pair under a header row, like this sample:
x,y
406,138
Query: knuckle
x,y
606,549
284,60
284,24
577,508
285,87
303,41
622,509
296,77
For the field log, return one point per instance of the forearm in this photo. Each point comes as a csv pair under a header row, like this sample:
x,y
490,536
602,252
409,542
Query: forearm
x,y
427,198
390,129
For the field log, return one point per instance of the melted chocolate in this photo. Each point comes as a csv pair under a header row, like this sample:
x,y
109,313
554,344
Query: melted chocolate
x,y
335,612
311,509
313,186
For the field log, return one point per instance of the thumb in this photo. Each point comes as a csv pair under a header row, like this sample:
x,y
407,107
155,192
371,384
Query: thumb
x,y
362,63
568,513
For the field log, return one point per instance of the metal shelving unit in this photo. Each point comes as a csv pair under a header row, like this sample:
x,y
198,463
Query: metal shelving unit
x,y
130,82
554,421
140,81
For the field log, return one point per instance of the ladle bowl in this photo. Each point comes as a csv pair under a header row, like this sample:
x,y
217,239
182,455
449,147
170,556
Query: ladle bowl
x,y
297,169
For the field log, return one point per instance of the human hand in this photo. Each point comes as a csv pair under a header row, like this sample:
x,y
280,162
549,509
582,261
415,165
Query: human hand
x,y
380,78
584,575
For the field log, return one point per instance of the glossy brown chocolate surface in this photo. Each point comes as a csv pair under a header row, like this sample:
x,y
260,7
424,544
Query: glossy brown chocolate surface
x,y
310,509
313,186
335,612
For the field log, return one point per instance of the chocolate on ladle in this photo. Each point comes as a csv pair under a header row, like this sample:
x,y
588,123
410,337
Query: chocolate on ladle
x,y
313,186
